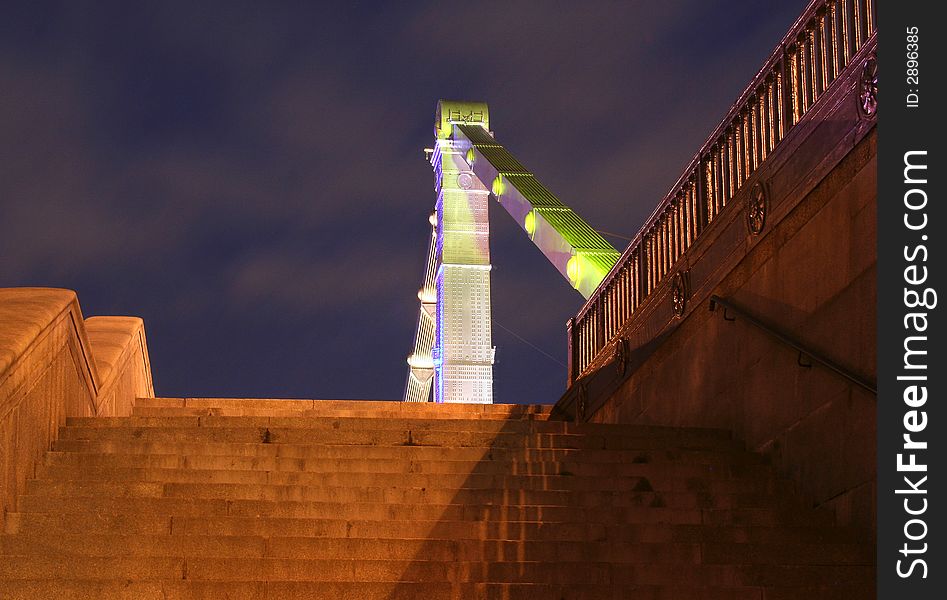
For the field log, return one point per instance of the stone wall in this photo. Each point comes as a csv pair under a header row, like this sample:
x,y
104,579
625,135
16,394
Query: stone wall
x,y
121,357
53,365
814,279
811,273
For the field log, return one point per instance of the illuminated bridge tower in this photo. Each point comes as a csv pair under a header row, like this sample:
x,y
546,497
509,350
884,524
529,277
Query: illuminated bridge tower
x,y
462,352
470,166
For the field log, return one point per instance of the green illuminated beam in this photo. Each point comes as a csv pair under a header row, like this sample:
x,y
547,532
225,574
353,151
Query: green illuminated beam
x,y
577,251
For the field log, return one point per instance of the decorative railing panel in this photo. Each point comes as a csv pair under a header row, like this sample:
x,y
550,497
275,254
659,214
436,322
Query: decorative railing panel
x,y
818,47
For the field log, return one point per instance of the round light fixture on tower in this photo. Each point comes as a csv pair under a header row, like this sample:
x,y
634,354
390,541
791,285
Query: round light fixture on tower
x,y
499,186
529,223
574,270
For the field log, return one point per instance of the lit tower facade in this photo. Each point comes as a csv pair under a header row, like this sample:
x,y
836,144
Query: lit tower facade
x,y
463,350
458,359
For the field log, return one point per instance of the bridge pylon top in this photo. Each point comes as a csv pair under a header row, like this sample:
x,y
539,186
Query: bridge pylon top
x,y
458,112
453,345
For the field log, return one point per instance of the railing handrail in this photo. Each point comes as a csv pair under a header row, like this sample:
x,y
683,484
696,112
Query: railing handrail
x,y
792,343
811,62
766,71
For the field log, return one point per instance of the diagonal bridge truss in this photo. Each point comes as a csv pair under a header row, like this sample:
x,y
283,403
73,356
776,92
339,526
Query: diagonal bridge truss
x,y
453,351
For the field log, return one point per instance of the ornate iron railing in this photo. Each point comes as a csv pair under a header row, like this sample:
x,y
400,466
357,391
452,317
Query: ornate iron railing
x,y
819,46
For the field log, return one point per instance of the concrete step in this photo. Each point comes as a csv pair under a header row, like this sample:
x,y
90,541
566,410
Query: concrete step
x,y
401,437
431,548
111,589
147,411
99,519
633,507
92,544
395,494
271,527
459,511
737,457
422,570
259,590
383,408
471,513
398,423
567,467
706,486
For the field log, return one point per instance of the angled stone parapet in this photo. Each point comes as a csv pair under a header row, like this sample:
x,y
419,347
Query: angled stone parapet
x,y
54,364
121,358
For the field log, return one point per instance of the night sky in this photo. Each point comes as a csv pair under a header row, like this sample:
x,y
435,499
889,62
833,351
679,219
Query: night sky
x,y
248,177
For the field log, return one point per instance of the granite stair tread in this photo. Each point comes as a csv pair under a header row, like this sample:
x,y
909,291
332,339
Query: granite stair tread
x,y
260,499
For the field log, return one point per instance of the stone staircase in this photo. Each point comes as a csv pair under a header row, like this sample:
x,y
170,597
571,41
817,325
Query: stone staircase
x,y
216,498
